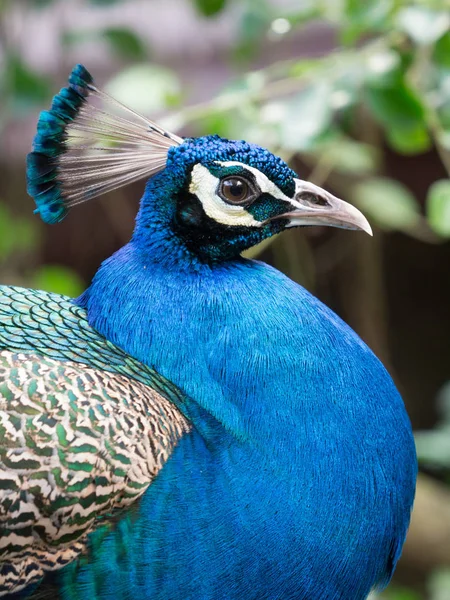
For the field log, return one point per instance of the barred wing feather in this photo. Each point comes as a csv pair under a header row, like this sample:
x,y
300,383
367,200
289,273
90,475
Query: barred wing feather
x,y
77,443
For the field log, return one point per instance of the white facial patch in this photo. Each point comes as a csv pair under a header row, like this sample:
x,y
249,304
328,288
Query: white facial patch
x,y
205,185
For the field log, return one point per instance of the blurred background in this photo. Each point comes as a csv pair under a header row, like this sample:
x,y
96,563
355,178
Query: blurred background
x,y
355,94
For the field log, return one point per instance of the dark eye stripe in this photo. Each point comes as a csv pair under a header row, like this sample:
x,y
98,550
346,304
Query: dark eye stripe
x,y
267,207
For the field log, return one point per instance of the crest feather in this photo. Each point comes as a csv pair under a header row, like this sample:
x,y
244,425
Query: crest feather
x,y
88,144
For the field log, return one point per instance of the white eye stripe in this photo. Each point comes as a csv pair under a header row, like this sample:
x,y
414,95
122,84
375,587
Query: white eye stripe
x,y
264,183
204,185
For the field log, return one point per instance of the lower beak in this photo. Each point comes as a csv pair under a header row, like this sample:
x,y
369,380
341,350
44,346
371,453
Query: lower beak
x,y
315,206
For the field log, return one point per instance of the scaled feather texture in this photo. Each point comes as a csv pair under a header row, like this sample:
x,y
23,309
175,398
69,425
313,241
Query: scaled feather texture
x,y
195,426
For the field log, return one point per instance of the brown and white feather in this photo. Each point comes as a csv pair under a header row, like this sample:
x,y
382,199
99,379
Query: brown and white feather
x,y
77,443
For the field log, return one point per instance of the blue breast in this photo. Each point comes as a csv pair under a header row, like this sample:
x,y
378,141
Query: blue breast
x,y
298,478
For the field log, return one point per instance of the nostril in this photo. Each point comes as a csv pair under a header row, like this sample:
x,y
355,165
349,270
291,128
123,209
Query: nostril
x,y
312,199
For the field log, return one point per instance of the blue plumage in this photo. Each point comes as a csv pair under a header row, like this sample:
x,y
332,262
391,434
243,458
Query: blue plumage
x,y
306,437
294,471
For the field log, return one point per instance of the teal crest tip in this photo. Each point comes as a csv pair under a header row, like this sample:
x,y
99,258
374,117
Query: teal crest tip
x,y
42,163
82,149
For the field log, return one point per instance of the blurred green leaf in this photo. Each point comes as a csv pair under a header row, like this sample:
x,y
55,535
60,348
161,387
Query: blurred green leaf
x,y
412,140
383,68
25,87
255,22
16,234
389,203
221,124
444,138
442,51
370,12
76,36
251,82
301,67
125,42
361,18
438,207
395,592
395,104
210,8
349,156
302,13
439,584
433,447
58,279
7,233
442,102
146,88
27,235
423,25
401,111
400,593
308,115
443,403
346,91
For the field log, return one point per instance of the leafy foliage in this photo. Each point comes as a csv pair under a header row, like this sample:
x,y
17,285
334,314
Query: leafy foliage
x,y
24,88
388,83
210,8
19,240
390,204
438,589
394,89
125,43
16,234
56,278
438,207
146,88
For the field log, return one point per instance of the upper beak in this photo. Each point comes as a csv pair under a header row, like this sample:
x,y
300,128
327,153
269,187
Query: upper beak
x,y
315,206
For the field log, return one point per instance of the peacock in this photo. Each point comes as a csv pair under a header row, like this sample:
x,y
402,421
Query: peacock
x,y
194,426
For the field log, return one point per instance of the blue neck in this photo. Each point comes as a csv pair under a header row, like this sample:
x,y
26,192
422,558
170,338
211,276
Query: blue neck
x,y
185,318
278,383
235,337
297,408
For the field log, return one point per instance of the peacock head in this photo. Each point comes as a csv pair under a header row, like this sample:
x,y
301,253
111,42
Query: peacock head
x,y
221,197
217,197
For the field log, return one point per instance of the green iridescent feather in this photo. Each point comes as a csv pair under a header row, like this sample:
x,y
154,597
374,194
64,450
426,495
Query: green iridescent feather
x,y
84,429
50,325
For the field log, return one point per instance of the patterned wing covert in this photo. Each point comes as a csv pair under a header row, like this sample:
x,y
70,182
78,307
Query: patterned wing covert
x,y
37,322
79,439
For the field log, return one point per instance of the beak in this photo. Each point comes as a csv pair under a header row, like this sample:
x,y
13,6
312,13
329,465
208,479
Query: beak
x,y
315,206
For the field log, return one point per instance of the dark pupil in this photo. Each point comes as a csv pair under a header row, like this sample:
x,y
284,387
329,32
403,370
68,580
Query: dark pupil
x,y
234,189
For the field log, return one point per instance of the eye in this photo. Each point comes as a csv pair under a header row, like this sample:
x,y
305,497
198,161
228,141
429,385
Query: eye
x,y
236,190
